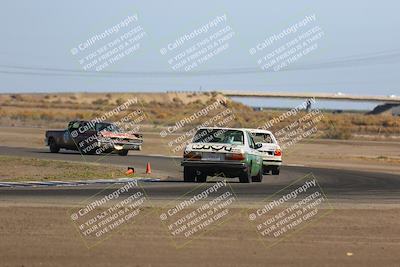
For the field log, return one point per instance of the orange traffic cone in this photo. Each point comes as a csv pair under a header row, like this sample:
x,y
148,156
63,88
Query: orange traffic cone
x,y
148,168
130,171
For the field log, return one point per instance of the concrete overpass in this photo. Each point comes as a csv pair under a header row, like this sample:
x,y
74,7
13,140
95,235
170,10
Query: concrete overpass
x,y
326,96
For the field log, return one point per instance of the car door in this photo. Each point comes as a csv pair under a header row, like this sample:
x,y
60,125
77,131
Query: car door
x,y
67,137
254,155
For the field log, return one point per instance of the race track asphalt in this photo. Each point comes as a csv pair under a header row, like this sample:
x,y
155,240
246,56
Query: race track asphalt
x,y
339,185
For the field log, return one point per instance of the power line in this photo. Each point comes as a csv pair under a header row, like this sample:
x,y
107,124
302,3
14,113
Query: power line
x,y
384,57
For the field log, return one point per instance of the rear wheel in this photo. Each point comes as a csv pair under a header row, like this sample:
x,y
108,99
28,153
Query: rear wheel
x,y
200,177
54,148
245,176
188,174
123,152
275,171
258,178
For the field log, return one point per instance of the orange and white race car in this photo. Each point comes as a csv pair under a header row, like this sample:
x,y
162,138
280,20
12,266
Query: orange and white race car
x,y
93,138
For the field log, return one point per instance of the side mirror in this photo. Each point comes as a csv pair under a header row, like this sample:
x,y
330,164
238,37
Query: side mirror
x,y
258,146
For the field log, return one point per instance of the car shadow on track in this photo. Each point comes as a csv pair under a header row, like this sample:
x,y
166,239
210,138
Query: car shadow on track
x,y
229,181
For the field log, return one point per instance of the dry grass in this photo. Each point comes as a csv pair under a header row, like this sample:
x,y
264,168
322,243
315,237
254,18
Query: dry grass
x,y
33,169
165,109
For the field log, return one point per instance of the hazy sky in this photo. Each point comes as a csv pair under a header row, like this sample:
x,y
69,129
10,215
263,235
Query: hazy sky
x,y
359,52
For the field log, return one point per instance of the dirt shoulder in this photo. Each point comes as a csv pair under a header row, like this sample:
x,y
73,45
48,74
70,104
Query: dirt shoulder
x,y
45,236
377,156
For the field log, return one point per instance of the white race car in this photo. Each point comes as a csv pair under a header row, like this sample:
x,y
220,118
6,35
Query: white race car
x,y
270,149
229,151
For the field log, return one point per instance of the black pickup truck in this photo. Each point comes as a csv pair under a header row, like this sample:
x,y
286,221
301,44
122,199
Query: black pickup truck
x,y
90,137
